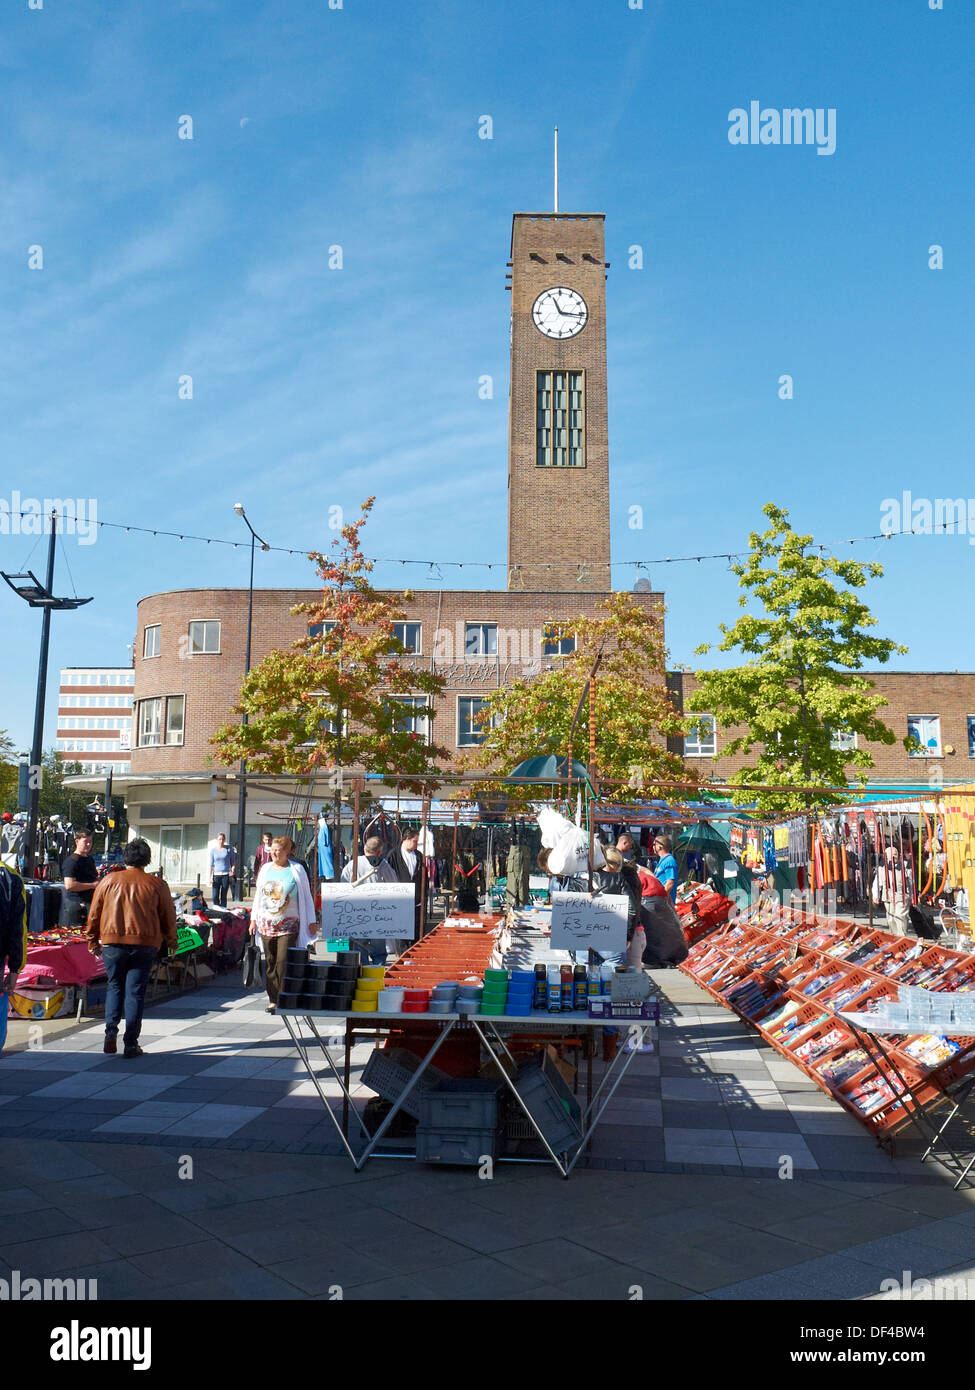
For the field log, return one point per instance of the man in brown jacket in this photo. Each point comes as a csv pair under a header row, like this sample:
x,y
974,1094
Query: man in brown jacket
x,y
130,917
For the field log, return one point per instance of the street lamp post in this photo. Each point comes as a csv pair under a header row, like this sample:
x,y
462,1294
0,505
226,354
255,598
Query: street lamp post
x,y
242,796
39,595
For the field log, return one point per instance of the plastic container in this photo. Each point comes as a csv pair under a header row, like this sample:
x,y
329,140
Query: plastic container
x,y
414,1006
312,1002
546,1107
462,1103
336,1003
469,992
518,1010
441,1006
469,1147
388,1071
364,1006
298,954
346,958
497,976
466,1006
372,972
288,1001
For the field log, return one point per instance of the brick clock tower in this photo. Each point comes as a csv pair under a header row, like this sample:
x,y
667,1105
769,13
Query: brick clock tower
x,y
558,446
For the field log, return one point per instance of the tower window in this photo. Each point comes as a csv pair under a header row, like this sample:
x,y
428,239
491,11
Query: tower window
x,y
560,420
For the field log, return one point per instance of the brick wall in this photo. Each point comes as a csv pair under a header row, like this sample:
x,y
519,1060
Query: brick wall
x,y
211,683
949,694
557,517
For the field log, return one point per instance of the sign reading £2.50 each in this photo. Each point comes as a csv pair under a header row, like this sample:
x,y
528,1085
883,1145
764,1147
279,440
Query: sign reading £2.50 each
x,y
373,909
579,921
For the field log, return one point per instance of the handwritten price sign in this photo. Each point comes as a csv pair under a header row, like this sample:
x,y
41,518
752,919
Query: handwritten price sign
x,y
375,909
579,922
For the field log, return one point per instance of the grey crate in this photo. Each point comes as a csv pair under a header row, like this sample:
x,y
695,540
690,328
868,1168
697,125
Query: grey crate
x,y
464,1103
467,1146
546,1108
389,1073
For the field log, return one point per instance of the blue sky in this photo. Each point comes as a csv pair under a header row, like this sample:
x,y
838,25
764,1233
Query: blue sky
x,y
313,387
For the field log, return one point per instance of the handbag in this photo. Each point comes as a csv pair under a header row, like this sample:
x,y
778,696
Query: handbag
x,y
252,966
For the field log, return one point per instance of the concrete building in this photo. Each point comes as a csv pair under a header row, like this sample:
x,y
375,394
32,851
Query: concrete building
x,y
95,718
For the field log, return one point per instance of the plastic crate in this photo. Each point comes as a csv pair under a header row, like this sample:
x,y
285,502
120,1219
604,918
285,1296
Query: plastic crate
x,y
469,1103
465,1146
548,1107
389,1072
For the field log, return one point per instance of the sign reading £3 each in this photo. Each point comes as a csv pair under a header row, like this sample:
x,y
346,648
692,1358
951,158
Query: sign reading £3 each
x,y
580,922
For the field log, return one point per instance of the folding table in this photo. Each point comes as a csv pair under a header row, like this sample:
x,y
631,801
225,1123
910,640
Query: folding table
x,y
940,1148
490,1029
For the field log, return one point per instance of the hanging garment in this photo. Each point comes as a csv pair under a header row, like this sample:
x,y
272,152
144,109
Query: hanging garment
x,y
326,866
519,867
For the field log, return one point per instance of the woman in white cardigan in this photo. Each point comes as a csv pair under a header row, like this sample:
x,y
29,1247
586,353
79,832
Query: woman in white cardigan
x,y
283,912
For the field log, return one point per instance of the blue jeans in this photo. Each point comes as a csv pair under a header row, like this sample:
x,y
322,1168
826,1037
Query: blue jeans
x,y
128,970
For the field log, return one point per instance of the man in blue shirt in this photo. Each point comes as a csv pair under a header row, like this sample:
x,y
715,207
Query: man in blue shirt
x,y
665,869
222,861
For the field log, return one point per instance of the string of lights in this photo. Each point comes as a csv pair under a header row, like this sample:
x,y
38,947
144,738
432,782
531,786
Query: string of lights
x,y
585,565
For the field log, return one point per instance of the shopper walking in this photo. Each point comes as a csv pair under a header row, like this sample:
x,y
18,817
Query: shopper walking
x,y
362,870
80,878
223,858
263,855
283,913
130,917
13,929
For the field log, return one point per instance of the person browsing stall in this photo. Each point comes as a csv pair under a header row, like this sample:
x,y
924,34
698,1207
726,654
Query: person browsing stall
x,y
361,874
283,913
665,869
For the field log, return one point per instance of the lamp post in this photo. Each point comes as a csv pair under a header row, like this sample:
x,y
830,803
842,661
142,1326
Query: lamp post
x,y
242,797
39,595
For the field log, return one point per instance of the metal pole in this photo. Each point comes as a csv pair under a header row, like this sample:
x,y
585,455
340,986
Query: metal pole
x,y
242,797
36,754
424,817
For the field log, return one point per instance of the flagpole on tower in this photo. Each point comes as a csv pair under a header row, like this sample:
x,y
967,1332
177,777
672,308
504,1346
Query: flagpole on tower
x,y
556,168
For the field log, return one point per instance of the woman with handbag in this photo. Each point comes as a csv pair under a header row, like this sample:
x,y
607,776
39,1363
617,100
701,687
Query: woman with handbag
x,y
283,913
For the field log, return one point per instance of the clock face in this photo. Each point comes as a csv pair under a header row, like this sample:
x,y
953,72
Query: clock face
x,y
560,313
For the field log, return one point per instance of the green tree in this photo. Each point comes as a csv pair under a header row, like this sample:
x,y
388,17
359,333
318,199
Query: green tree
x,y
9,773
333,700
55,798
798,687
633,711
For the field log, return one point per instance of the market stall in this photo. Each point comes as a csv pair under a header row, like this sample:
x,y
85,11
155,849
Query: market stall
x,y
795,977
476,1052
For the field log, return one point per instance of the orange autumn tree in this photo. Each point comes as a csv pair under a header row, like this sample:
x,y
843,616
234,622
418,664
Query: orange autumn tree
x,y
634,713
331,700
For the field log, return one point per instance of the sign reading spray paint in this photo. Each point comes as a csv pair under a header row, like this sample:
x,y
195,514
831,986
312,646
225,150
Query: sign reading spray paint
x,y
580,922
374,909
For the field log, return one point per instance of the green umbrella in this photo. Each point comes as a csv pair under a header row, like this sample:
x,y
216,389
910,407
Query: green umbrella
x,y
547,766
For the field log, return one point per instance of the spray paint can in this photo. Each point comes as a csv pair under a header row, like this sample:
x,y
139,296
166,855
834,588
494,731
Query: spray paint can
x,y
580,988
541,988
566,972
554,1001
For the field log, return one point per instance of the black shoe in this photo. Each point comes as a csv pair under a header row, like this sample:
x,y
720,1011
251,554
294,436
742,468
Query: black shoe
x,y
134,1051
111,1045
270,1009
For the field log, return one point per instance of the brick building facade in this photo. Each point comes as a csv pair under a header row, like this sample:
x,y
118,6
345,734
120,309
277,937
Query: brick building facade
x,y
945,700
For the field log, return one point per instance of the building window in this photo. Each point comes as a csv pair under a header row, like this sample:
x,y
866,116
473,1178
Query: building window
x,y
204,638
924,732
470,732
413,723
842,741
409,635
560,414
164,712
150,722
971,735
557,646
480,639
320,629
702,741
175,706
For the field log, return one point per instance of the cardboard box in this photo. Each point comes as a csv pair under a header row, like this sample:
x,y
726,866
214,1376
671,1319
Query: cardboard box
x,y
647,1010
